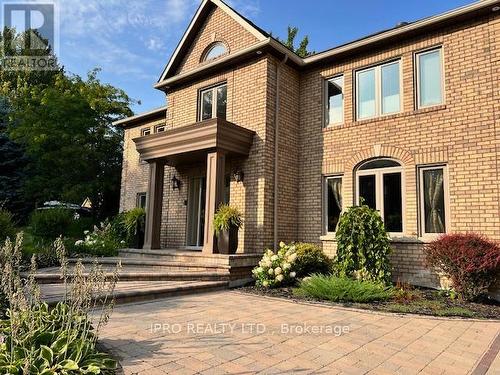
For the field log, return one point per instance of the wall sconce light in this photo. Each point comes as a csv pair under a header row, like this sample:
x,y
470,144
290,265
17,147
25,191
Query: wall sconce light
x,y
176,183
238,175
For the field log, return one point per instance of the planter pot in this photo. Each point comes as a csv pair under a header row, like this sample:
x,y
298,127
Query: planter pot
x,y
138,239
227,241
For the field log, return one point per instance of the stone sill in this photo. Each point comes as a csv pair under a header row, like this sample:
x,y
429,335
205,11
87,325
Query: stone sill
x,y
383,118
407,240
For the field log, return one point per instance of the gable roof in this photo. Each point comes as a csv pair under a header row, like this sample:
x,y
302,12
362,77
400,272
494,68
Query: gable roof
x,y
267,43
197,21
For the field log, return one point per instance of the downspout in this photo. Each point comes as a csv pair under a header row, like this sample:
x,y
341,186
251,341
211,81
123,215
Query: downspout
x,y
276,144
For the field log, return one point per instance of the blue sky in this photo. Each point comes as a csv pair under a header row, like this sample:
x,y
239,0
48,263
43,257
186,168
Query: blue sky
x,y
131,40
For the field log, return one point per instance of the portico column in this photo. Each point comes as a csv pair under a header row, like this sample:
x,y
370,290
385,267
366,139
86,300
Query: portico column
x,y
215,195
154,205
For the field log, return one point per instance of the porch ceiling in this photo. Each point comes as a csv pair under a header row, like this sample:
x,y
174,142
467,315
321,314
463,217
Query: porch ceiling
x,y
190,143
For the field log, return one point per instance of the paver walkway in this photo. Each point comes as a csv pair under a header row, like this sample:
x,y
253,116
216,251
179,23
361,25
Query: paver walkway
x,y
230,332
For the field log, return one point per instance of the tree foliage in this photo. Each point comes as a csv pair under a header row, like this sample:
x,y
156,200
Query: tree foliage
x,y
363,245
64,125
289,43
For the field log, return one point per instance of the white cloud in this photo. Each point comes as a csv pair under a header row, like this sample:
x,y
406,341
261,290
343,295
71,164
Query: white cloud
x,y
154,44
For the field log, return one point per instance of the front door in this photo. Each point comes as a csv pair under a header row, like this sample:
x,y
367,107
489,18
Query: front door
x,y
196,212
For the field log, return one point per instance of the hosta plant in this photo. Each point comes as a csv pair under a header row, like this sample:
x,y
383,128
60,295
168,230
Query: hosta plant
x,y
38,339
276,269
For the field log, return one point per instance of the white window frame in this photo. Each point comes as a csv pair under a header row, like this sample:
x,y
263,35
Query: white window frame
x,y
417,76
379,190
159,128
327,113
145,132
325,200
421,221
378,89
214,101
138,199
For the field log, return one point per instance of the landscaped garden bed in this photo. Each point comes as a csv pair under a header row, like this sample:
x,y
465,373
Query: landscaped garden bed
x,y
426,302
360,274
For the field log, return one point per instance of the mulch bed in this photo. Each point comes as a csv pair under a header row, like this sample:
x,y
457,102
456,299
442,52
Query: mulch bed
x,y
429,302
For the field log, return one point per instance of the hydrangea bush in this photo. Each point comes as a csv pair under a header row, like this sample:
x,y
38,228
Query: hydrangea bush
x,y
101,241
276,269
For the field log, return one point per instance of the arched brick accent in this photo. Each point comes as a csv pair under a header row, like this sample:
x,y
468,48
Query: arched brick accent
x,y
380,151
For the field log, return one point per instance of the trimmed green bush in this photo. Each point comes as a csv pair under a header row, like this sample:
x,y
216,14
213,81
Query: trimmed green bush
x,y
362,246
311,259
51,223
7,228
343,289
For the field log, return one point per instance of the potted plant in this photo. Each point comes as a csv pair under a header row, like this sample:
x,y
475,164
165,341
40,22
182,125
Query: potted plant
x,y
227,222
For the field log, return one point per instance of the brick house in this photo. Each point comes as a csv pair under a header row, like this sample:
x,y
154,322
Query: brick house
x,y
405,119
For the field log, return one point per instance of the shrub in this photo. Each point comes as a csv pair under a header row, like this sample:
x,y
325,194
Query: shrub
x,y
7,228
311,259
226,217
362,246
343,289
469,260
59,340
276,269
51,223
100,242
134,222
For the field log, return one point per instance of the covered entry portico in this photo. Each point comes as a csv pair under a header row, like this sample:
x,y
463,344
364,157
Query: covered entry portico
x,y
212,140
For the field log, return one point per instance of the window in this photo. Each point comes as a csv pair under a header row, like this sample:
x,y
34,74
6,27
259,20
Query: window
x,y
334,101
146,131
429,78
213,102
141,200
433,205
215,50
380,185
378,90
159,128
332,202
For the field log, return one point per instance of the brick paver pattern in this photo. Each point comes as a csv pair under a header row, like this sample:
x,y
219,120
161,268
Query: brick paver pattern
x,y
230,332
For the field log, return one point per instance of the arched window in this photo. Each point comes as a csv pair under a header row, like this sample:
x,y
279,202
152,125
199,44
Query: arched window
x,y
379,183
215,50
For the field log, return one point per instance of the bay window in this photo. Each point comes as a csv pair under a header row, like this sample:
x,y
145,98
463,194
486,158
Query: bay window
x,y
378,90
379,185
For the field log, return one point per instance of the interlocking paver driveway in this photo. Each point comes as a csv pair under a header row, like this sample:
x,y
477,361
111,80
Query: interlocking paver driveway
x,y
231,332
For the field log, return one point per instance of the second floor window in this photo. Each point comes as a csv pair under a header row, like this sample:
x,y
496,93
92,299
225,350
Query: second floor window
x,y
213,102
334,101
429,78
378,90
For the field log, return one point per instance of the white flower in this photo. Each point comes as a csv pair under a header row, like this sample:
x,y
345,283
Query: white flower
x,y
277,270
258,269
282,244
265,283
274,257
122,242
268,264
271,271
79,243
86,232
292,274
279,278
292,257
286,266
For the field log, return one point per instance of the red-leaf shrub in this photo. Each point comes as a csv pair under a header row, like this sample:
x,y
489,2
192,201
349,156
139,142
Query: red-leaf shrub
x,y
470,260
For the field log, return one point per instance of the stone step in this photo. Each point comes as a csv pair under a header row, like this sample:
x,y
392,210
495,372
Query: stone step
x,y
189,257
148,264
55,277
127,291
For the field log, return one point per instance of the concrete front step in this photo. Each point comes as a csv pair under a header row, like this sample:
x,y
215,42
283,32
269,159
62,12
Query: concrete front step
x,y
135,291
135,264
55,278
